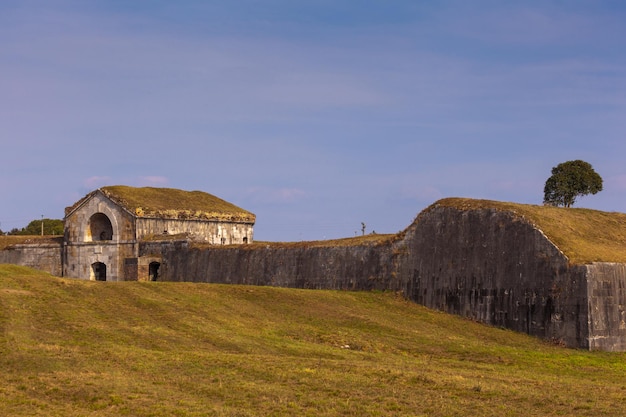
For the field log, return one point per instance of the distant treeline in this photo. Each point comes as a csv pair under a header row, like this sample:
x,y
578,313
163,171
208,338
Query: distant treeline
x,y
51,227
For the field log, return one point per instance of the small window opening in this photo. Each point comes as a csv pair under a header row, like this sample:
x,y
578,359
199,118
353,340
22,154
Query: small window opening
x,y
245,239
153,270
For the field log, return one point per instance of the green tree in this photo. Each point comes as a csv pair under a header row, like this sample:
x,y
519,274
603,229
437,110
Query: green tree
x,y
570,180
50,227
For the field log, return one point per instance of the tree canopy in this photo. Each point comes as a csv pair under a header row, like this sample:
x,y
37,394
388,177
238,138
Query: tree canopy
x,y
570,180
50,227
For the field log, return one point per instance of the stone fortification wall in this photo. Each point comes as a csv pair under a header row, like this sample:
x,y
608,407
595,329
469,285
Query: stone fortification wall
x,y
607,304
213,232
497,268
365,267
80,258
43,256
488,265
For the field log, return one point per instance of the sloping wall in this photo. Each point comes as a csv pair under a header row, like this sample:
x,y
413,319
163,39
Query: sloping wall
x,y
495,267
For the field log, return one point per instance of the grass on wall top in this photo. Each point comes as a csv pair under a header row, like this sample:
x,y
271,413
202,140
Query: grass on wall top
x,y
177,204
10,240
372,239
583,235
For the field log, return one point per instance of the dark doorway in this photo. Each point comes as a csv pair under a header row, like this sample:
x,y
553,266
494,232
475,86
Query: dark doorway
x,y
99,271
153,270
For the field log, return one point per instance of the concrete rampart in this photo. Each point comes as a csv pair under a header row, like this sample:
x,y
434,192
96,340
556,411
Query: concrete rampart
x,y
365,267
43,256
488,265
497,268
607,304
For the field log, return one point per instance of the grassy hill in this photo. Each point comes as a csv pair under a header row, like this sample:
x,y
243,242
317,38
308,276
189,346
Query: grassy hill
x,y
71,347
583,235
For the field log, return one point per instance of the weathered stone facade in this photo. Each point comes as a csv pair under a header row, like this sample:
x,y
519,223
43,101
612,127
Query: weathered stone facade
x,y
606,294
45,256
99,237
494,267
103,233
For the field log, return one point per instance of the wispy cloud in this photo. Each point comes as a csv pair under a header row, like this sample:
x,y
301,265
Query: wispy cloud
x,y
269,195
152,180
94,182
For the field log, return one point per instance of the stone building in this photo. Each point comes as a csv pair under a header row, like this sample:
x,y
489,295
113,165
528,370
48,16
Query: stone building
x,y
104,230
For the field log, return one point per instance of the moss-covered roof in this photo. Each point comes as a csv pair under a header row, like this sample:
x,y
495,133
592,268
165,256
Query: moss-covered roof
x,y
583,235
176,204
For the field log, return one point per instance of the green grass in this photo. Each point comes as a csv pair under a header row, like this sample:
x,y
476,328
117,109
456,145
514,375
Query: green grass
x,y
80,348
583,235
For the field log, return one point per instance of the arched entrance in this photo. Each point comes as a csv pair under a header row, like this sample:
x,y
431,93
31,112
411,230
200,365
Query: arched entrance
x,y
99,271
153,270
100,227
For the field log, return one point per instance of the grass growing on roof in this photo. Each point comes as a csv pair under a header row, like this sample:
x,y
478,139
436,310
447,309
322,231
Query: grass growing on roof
x,y
583,235
174,203
72,347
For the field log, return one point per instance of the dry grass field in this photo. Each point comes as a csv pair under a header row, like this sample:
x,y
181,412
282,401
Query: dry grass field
x,y
80,348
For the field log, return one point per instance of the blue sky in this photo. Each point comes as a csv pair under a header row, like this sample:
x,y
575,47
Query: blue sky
x,y
314,115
